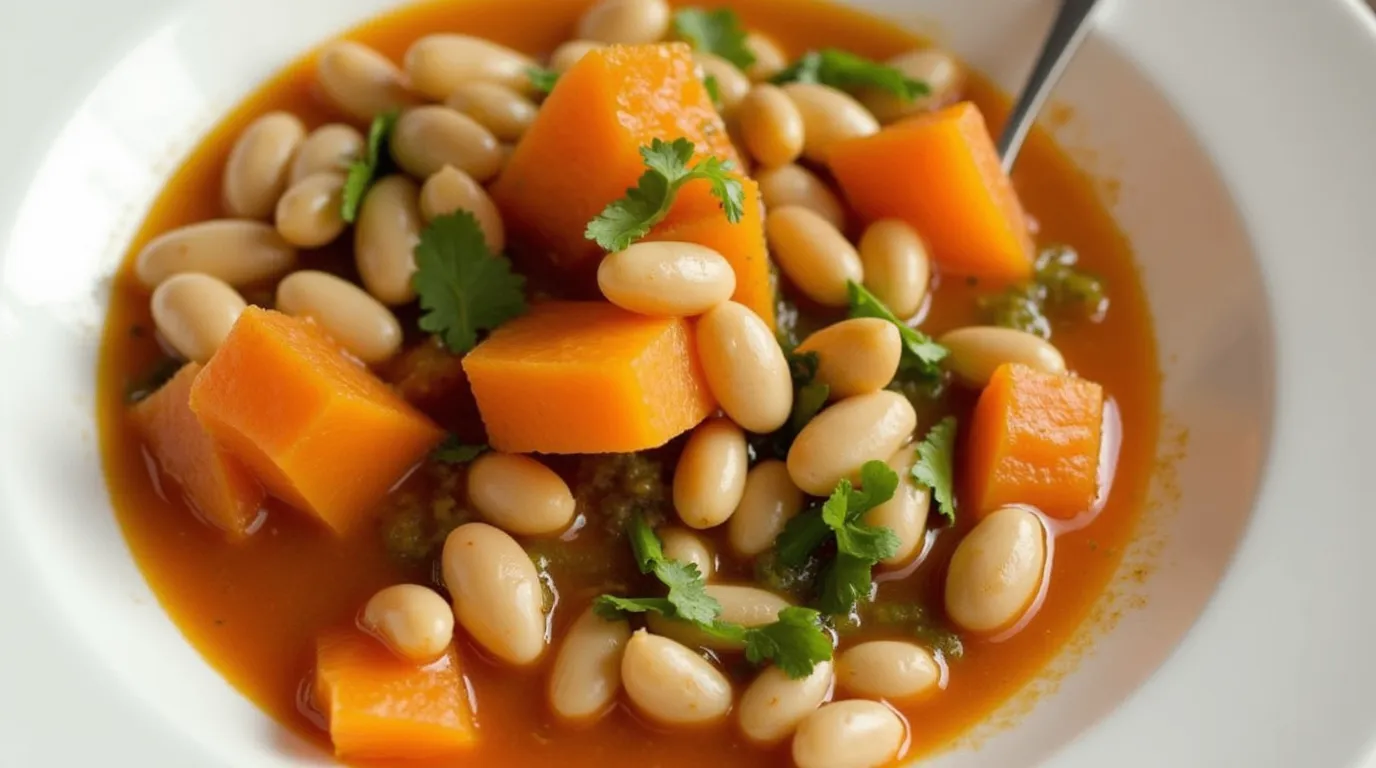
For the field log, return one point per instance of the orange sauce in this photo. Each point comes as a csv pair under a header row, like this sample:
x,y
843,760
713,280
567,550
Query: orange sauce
x,y
253,610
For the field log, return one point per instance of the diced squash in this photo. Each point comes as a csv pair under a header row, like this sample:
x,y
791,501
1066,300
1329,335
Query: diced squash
x,y
941,173
379,706
216,485
588,377
1035,440
319,430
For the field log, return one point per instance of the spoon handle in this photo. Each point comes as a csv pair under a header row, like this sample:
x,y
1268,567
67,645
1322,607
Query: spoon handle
x,y
1067,32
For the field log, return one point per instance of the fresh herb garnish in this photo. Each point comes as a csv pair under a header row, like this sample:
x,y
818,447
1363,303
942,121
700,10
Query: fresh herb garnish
x,y
454,451
363,170
542,79
1058,286
463,287
848,72
632,217
935,466
713,90
719,32
921,355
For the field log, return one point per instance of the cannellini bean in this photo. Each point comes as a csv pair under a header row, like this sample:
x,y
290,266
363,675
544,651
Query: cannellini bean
x,y
770,500
361,82
496,591
976,352
840,439
710,477
829,116
938,69
360,323
194,313
571,53
888,669
519,494
309,213
426,139
896,265
796,185
256,172
732,84
385,237
587,670
849,734
688,547
414,621
996,571
855,357
452,190
906,513
439,64
773,705
770,59
771,126
813,254
330,147
235,251
746,606
666,278
671,684
627,22
745,368
499,109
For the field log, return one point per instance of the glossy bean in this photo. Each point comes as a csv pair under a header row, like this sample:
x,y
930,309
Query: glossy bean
x,y
906,513
770,59
840,439
438,64
330,147
897,268
235,251
309,213
428,138
256,171
360,323
671,684
795,185
849,734
743,605
710,476
666,278
855,357
499,109
813,254
414,621
586,677
829,116
688,547
361,82
627,22
744,367
770,500
385,237
771,126
996,571
773,705
496,591
938,69
571,53
452,190
732,84
519,494
893,670
194,313
977,351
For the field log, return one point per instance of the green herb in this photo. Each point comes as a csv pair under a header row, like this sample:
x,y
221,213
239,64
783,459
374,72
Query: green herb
x,y
687,597
364,170
848,72
801,536
918,621
719,32
713,90
858,545
1058,287
632,217
795,642
807,403
935,465
455,451
846,583
542,79
463,287
921,355
798,581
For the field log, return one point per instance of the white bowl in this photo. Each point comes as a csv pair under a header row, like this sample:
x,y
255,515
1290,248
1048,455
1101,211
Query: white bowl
x,y
1239,134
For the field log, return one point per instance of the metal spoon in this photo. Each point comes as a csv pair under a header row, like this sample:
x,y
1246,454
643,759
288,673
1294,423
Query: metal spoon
x,y
1067,32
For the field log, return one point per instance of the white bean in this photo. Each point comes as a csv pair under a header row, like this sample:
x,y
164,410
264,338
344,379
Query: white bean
x,y
438,64
710,476
414,621
769,502
671,684
497,593
237,252
519,494
732,84
361,82
939,70
499,109
840,439
771,126
195,313
452,190
256,172
996,571
796,185
770,59
906,513
773,705
330,147
688,547
857,356
428,138
888,669
849,734
743,605
744,367
309,213
570,53
627,22
587,670
813,254
666,278
829,116
360,323
897,268
385,237
977,351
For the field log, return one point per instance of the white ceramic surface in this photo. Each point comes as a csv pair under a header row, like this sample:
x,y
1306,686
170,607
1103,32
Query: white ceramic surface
x,y
1240,133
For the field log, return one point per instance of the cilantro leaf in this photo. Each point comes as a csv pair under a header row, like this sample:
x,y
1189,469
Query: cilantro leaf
x,y
463,288
848,72
847,581
935,465
807,403
363,170
645,543
687,592
454,451
858,545
803,534
921,355
613,607
719,32
542,79
632,217
795,642
713,90
878,484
